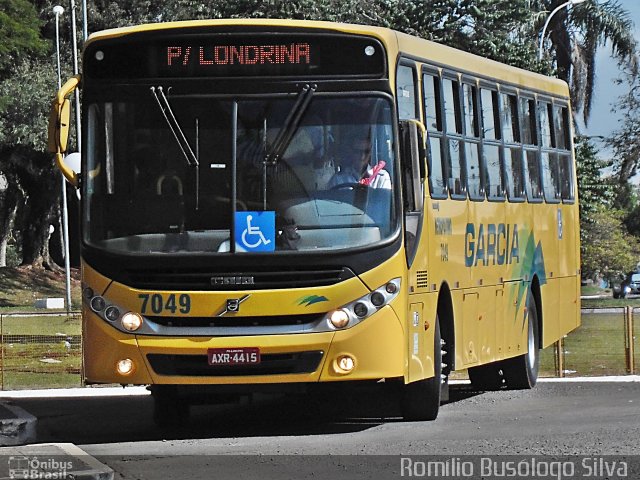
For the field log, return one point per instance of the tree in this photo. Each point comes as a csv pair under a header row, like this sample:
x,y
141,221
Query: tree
x,y
24,161
575,37
606,248
594,191
625,141
19,33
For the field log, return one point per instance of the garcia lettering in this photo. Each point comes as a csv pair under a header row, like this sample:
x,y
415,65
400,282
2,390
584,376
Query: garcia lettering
x,y
491,244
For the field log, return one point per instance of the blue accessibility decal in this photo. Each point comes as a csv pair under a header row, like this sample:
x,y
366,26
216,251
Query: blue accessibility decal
x,y
255,231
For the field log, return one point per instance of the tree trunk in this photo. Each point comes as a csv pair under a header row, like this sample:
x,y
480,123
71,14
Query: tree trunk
x,y
10,197
35,175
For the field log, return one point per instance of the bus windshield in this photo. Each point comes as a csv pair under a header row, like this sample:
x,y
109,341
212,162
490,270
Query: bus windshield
x,y
186,174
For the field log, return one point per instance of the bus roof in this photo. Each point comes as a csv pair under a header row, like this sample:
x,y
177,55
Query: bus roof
x,y
396,42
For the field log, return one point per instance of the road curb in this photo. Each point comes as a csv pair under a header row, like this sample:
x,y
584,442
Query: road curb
x,y
17,426
51,460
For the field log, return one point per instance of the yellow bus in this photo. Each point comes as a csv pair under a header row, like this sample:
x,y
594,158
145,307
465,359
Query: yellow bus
x,y
275,204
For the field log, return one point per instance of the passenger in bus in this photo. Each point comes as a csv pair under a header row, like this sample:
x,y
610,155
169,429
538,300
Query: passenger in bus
x,y
357,168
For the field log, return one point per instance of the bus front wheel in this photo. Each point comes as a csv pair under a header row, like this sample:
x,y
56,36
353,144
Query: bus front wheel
x,y
421,399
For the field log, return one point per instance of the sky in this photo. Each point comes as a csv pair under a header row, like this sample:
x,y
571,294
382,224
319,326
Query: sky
x,y
603,121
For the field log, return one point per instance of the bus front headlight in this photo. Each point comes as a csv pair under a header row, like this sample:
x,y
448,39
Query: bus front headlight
x,y
339,318
131,321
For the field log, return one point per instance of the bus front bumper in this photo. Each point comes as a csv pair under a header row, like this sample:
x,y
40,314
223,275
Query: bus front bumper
x,y
371,350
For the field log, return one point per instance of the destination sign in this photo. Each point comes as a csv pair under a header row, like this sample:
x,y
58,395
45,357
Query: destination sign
x,y
165,54
215,55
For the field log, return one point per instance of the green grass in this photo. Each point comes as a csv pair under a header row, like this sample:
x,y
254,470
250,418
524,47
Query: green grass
x,y
594,290
20,287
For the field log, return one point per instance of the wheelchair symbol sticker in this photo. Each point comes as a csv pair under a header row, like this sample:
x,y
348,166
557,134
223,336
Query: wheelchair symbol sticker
x,y
255,231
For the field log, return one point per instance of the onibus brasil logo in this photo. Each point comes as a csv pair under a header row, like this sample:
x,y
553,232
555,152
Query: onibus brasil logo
x,y
22,467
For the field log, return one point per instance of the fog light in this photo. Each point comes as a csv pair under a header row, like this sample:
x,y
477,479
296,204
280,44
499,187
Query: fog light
x,y
131,321
391,288
112,314
344,364
377,299
87,293
360,309
125,366
98,304
339,319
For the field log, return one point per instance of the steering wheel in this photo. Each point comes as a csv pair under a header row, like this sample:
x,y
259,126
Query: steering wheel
x,y
349,186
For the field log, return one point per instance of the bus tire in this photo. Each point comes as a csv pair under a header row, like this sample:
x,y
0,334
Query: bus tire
x,y
421,399
486,377
168,409
521,373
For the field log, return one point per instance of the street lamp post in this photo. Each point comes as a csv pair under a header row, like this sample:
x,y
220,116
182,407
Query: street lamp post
x,y
546,24
58,10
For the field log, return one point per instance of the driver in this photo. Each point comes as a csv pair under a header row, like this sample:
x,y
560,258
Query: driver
x,y
357,169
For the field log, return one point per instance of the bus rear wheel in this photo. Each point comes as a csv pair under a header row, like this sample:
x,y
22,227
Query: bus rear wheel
x,y
521,373
421,399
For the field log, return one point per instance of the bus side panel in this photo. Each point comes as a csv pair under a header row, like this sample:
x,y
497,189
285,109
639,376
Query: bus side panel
x,y
567,290
518,216
486,272
545,265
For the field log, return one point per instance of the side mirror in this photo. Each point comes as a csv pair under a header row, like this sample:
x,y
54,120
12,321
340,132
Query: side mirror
x,y
413,151
59,123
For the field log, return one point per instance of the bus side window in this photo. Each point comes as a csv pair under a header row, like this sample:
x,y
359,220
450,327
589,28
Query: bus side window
x,y
528,116
436,169
561,127
490,120
514,173
432,103
494,183
433,121
546,130
406,93
551,176
533,180
453,127
456,169
566,177
472,142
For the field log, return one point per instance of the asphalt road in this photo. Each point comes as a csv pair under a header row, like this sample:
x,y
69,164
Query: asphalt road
x,y
555,418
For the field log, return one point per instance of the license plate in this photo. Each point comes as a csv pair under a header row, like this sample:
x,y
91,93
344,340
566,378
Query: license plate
x,y
234,356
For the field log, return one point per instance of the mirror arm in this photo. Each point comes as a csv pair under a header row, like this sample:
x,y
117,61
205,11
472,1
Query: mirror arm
x,y
58,104
66,89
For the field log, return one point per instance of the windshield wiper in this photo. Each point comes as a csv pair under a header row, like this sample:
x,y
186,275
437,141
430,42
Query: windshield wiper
x,y
290,125
174,126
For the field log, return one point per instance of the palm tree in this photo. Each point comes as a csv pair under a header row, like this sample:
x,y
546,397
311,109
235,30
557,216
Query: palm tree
x,y
576,34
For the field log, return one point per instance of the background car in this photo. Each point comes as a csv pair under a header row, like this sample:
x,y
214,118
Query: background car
x,y
629,286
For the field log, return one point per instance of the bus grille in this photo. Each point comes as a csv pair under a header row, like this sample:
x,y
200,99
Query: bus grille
x,y
263,279
270,364
422,279
273,321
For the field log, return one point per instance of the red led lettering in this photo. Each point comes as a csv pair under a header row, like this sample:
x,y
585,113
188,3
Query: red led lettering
x,y
173,52
202,60
294,53
289,54
221,55
251,54
266,54
186,56
303,50
236,55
